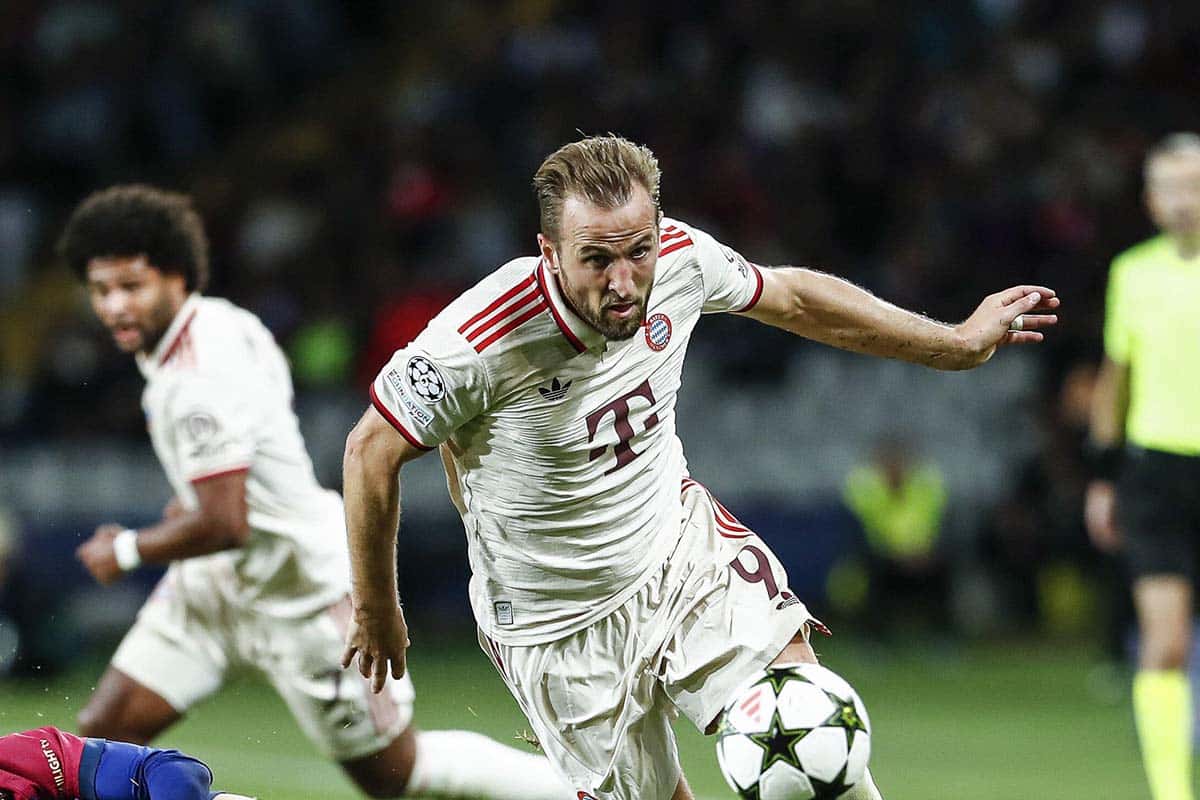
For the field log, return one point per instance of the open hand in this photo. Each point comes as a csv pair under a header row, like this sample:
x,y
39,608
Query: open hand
x,y
98,556
1100,516
380,639
992,324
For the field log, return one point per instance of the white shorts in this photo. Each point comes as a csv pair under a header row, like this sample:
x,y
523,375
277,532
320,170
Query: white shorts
x,y
182,649
601,700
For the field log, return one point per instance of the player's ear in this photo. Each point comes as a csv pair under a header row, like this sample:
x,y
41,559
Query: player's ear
x,y
548,252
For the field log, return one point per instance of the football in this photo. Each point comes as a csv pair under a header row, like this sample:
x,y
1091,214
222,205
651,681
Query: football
x,y
794,733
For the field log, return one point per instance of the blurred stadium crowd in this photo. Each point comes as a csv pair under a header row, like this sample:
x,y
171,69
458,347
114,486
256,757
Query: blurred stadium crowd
x,y
360,163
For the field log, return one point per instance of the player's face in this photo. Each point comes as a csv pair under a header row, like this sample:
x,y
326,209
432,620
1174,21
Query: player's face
x,y
135,301
1173,194
605,261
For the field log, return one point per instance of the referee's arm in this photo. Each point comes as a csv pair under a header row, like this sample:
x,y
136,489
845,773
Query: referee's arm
x,y
1110,403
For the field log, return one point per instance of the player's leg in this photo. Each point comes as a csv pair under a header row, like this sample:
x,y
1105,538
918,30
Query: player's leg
x,y
1154,498
164,665
1161,693
371,736
597,710
121,708
682,790
744,597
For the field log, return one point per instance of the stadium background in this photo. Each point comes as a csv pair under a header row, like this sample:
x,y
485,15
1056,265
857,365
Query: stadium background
x,y
360,163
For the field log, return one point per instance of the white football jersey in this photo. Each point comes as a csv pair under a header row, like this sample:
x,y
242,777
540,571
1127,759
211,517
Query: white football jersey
x,y
564,442
218,399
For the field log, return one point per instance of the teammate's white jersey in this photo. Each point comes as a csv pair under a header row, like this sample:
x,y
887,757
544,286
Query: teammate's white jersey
x,y
564,442
218,399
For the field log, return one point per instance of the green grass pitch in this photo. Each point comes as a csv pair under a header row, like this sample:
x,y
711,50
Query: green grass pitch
x,y
993,723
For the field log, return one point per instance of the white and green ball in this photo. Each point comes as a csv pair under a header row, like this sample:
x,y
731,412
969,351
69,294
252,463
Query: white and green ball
x,y
794,733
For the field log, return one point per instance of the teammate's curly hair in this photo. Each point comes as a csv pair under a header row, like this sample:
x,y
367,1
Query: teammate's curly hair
x,y
138,220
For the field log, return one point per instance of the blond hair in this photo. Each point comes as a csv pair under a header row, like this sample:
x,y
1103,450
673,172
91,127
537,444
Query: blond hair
x,y
1176,144
600,169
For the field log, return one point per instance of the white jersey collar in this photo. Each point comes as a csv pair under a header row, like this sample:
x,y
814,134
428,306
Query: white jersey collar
x,y
173,339
579,333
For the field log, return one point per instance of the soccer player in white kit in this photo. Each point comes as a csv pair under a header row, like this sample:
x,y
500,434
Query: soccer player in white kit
x,y
259,574
611,590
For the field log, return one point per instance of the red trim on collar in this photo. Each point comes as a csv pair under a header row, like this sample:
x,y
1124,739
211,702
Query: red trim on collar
x,y
178,340
554,312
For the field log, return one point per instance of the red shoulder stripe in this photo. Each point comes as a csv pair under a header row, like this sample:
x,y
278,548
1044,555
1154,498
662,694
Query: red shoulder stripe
x,y
495,304
512,325
676,245
533,294
668,235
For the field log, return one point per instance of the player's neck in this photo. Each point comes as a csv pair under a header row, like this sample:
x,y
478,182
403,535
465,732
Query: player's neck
x,y
1186,246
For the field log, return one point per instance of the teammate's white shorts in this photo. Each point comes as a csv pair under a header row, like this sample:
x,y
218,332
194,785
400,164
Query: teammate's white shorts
x,y
183,650
601,701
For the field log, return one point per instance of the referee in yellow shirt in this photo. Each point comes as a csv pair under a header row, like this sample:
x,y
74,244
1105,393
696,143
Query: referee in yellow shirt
x,y
1145,440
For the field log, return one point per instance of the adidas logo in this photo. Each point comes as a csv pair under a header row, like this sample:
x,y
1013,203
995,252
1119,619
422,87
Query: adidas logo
x,y
556,392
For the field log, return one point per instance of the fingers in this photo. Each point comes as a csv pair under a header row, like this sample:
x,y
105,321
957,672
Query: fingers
x,y
1032,322
1022,337
348,655
380,675
1014,294
366,664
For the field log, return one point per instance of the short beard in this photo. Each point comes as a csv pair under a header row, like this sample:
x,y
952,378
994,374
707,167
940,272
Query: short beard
x,y
161,316
618,330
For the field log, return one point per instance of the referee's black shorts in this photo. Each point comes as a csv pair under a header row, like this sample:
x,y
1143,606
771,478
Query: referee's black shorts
x,y
1158,509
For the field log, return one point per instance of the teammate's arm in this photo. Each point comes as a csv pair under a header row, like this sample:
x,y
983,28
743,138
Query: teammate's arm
x,y
15,787
1110,406
371,484
834,311
218,523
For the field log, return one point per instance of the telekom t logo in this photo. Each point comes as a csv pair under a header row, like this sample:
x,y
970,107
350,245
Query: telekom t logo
x,y
625,433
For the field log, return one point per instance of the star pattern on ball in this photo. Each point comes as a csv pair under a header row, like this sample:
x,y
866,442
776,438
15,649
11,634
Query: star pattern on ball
x,y
778,742
846,717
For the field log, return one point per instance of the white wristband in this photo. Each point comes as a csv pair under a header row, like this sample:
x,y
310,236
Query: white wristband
x,y
125,549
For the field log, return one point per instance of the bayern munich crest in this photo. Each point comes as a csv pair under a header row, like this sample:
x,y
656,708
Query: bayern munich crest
x,y
658,331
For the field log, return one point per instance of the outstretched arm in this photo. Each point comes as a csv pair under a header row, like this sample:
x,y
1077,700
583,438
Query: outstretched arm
x,y
834,311
371,484
218,523
1110,406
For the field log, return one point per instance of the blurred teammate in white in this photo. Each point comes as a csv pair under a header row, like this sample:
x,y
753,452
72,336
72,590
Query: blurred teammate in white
x,y
610,589
259,574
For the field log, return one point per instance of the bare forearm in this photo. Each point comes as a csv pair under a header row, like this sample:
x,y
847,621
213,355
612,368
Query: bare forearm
x,y
1110,404
188,535
838,313
372,496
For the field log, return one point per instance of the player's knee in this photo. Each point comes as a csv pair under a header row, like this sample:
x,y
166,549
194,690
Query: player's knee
x,y
90,722
171,775
386,773
1160,653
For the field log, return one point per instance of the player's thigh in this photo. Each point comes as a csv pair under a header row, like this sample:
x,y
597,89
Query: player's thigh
x,y
335,708
739,614
598,713
170,659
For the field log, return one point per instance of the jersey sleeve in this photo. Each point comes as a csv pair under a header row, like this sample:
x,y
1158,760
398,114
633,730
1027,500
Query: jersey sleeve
x,y
431,388
1118,334
212,428
731,283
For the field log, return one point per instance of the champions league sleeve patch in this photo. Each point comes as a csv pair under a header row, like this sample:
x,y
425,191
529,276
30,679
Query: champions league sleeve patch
x,y
426,382
201,431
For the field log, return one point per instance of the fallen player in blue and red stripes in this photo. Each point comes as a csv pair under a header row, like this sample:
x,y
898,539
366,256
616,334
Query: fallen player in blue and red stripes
x,y
50,764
